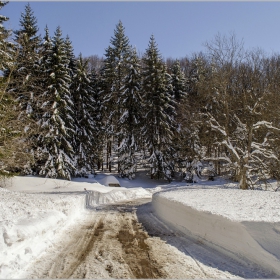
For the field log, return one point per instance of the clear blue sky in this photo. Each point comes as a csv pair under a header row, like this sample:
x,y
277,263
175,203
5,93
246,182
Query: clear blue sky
x,y
180,28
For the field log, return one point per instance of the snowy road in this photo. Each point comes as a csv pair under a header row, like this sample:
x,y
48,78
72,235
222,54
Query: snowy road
x,y
126,240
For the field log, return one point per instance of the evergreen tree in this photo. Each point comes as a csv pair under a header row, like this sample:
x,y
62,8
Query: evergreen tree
x,y
178,82
45,106
85,106
12,149
130,103
26,75
69,51
99,116
159,125
6,47
58,121
115,69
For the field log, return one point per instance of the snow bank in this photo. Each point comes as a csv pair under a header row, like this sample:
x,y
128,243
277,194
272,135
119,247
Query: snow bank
x,y
28,224
33,210
95,198
245,223
33,184
109,180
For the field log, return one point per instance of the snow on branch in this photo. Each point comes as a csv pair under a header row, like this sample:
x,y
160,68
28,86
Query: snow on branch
x,y
222,158
216,126
266,124
232,150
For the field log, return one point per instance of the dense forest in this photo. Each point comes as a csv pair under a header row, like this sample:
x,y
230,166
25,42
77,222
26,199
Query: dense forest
x,y
65,116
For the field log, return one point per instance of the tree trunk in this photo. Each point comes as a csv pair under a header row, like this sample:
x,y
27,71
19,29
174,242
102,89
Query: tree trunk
x,y
243,180
107,155
110,154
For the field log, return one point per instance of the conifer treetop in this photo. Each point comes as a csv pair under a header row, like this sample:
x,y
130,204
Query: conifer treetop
x,y
120,42
152,52
28,22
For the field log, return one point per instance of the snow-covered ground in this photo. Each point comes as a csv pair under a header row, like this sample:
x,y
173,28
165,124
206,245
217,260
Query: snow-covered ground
x,y
245,223
34,210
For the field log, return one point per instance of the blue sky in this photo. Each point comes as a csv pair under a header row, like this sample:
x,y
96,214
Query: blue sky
x,y
180,28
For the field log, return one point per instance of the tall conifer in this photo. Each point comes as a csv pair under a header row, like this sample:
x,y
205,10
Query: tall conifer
x,y
159,122
129,123
58,120
85,105
115,69
26,75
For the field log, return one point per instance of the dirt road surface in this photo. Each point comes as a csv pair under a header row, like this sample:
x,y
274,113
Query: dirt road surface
x,y
126,240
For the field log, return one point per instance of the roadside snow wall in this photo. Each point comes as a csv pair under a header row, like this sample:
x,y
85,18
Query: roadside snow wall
x,y
256,241
95,198
29,224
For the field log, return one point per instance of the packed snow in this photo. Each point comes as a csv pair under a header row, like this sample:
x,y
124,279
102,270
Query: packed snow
x,y
34,210
245,223
233,204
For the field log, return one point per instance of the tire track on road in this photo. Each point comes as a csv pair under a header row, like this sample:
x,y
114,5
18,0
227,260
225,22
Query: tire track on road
x,y
126,240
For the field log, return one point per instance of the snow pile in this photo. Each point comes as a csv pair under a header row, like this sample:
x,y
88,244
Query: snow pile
x,y
243,223
53,186
28,224
95,198
234,204
109,180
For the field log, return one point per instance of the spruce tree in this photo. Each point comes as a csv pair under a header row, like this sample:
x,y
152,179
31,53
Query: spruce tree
x,y
159,124
6,47
57,143
115,69
13,153
178,82
26,77
99,116
129,123
45,106
85,106
24,74
69,51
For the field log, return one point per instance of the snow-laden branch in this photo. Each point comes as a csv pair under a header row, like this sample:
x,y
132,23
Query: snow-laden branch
x,y
215,125
266,124
222,158
232,150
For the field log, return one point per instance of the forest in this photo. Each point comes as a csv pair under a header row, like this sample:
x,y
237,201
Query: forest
x,y
63,116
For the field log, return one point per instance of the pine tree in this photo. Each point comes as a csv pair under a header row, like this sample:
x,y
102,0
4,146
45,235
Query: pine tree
x,y
178,82
130,103
6,47
58,120
99,117
115,69
85,107
12,148
46,101
26,77
159,125
69,51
